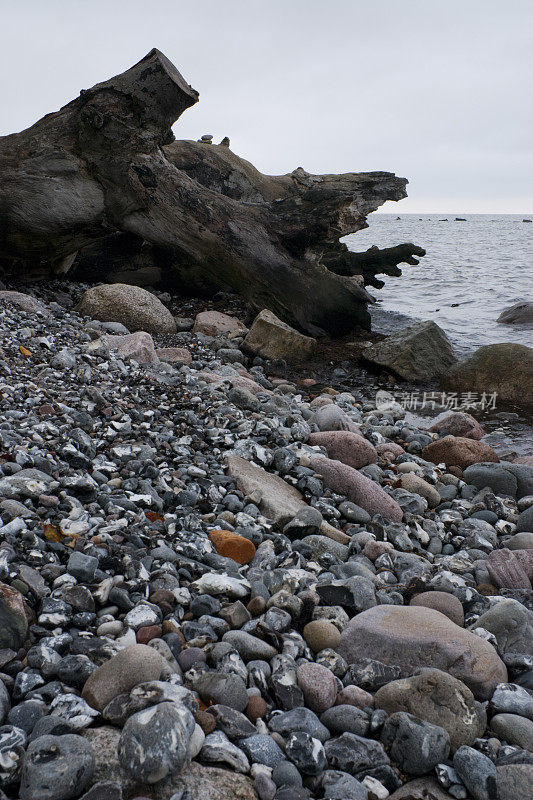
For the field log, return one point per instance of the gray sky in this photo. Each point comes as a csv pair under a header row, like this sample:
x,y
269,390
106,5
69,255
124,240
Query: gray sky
x,y
438,92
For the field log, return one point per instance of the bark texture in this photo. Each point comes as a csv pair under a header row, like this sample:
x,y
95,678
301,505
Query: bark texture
x,y
100,190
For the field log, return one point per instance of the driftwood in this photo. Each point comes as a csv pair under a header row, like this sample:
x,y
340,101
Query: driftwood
x,y
101,185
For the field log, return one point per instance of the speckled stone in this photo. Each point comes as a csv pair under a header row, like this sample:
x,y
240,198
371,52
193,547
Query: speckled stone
x,y
318,686
448,604
320,634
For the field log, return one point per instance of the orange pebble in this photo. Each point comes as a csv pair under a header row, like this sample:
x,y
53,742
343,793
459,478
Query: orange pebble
x,y
231,545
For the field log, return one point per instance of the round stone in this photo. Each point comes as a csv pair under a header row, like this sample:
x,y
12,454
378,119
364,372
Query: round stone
x,y
256,708
345,719
231,545
318,686
477,772
262,749
192,655
132,306
346,446
520,541
137,663
257,606
320,634
354,696
286,774
458,451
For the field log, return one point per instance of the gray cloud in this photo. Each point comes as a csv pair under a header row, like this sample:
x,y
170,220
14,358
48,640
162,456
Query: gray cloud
x,y
438,92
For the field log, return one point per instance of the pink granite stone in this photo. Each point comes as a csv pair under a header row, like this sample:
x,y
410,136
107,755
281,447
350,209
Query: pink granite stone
x,y
318,686
346,446
356,487
459,423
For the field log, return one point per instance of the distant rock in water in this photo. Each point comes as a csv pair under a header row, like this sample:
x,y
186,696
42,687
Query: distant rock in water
x,y
519,314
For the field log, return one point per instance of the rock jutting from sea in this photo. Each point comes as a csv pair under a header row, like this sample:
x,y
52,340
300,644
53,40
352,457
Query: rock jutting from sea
x,y
219,578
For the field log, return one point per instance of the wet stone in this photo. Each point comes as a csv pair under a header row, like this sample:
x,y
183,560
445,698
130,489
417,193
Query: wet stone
x,y
155,742
415,745
56,768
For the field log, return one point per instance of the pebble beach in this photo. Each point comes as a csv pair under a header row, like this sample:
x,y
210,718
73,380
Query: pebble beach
x,y
224,575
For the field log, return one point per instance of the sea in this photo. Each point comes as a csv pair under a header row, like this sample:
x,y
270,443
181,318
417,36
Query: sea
x,y
473,269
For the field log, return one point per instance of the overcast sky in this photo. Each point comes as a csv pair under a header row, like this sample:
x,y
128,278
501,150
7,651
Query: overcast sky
x,y
438,92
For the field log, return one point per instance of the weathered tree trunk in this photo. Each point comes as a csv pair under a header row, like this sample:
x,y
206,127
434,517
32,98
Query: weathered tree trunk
x,y
102,170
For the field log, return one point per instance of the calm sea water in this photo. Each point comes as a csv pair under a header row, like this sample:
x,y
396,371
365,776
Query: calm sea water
x,y
471,271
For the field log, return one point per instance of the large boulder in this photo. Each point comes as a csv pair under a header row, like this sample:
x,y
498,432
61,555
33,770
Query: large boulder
x,y
456,451
279,502
505,368
413,637
271,338
439,698
211,323
139,346
361,490
417,353
519,314
132,306
458,423
23,301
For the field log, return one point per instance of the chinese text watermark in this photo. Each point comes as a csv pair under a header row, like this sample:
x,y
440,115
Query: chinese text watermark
x,y
442,401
